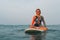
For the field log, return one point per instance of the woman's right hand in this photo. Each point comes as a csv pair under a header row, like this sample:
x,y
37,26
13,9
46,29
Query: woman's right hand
x,y
31,26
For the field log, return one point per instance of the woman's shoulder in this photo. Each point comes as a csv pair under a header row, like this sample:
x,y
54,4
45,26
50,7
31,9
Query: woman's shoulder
x,y
42,17
34,16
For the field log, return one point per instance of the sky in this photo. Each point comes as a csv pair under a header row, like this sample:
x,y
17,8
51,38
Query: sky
x,y
20,12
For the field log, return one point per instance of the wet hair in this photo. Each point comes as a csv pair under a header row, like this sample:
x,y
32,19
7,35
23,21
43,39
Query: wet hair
x,y
38,9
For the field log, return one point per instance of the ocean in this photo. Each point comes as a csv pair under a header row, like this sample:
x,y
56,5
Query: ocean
x,y
16,32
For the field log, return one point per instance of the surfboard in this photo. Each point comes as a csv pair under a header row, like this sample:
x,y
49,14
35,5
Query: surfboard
x,y
36,30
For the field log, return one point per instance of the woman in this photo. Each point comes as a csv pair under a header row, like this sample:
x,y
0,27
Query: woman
x,y
37,22
38,19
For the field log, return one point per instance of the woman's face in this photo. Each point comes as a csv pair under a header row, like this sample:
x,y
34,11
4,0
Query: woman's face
x,y
38,12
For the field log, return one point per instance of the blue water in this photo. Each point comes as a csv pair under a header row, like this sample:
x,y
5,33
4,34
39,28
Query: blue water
x,y
16,32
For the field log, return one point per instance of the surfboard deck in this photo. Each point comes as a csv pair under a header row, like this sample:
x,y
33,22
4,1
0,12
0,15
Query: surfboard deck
x,y
32,32
35,31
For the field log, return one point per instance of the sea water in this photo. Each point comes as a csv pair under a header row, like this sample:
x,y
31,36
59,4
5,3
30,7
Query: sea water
x,y
16,32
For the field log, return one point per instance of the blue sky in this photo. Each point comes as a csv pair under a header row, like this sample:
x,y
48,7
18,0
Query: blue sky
x,y
21,11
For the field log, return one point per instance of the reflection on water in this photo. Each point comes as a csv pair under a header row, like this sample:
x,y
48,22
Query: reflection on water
x,y
38,37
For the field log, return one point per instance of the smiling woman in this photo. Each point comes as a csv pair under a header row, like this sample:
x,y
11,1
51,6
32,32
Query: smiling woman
x,y
36,26
38,19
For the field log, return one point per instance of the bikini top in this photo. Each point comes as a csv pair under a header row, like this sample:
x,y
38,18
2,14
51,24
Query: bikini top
x,y
38,19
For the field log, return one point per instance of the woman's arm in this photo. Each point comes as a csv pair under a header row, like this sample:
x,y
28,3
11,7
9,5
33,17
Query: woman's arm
x,y
33,20
43,21
32,23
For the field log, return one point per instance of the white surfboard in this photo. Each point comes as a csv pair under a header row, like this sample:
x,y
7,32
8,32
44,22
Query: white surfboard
x,y
33,31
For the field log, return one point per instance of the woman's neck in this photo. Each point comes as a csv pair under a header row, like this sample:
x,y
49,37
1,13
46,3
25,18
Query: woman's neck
x,y
38,15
